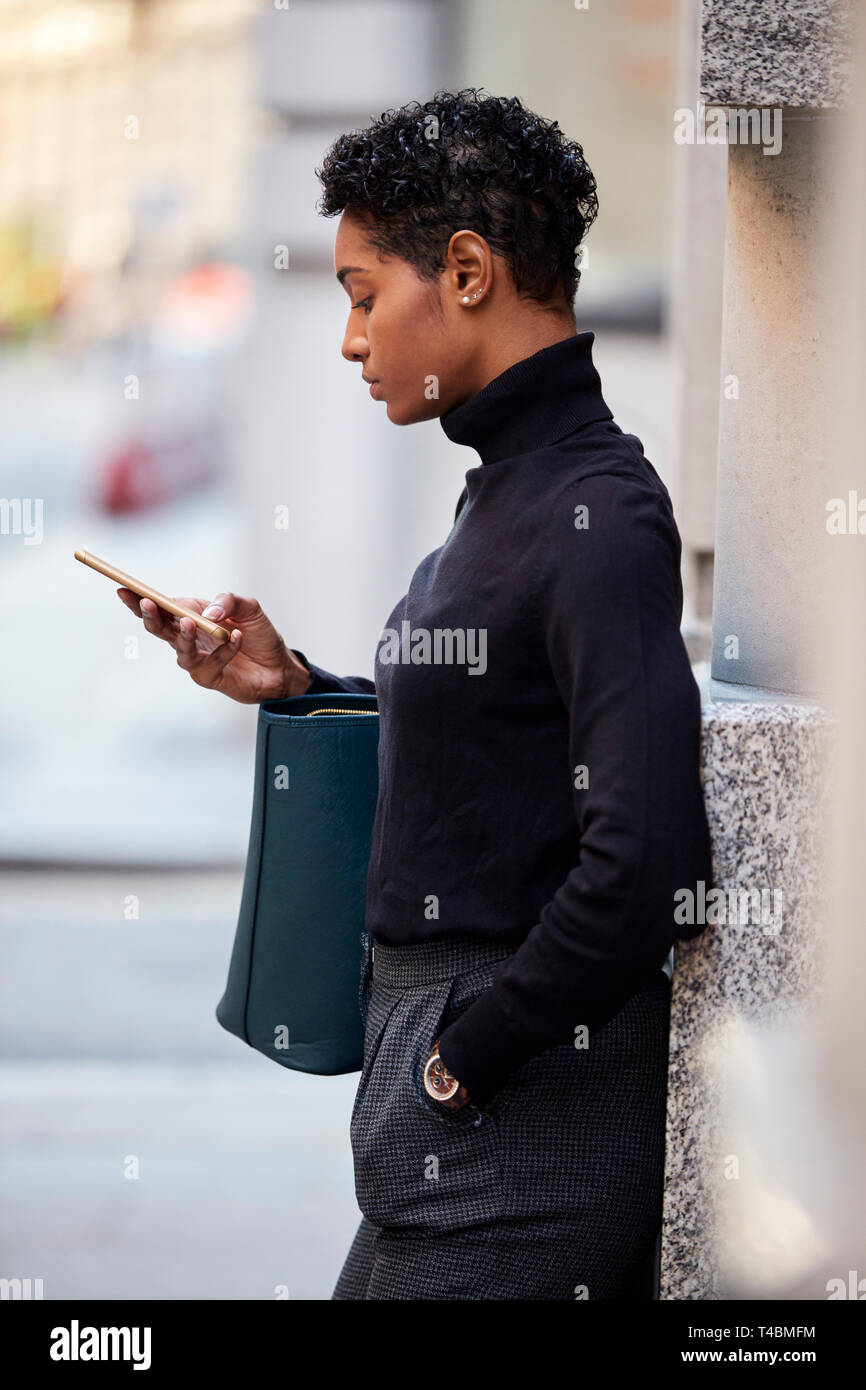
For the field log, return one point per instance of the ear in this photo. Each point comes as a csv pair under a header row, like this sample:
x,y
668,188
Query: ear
x,y
468,274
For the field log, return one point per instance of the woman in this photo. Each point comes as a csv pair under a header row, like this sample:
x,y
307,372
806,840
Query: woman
x,y
539,802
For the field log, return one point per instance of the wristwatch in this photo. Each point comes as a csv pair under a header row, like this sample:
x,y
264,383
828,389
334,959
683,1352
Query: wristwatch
x,y
440,1085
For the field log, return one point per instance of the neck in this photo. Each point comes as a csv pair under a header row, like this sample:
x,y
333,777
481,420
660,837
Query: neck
x,y
532,404
515,339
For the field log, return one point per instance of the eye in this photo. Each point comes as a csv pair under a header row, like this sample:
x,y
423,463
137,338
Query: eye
x,y
364,304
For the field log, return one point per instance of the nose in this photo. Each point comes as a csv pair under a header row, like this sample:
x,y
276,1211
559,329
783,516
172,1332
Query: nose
x,y
355,346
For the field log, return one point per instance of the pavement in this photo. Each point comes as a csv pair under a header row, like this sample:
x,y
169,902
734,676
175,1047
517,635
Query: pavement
x,y
145,1152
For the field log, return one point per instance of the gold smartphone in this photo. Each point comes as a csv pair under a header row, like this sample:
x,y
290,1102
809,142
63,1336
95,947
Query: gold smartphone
x,y
213,630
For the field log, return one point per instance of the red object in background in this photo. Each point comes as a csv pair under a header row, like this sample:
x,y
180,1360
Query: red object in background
x,y
199,314
132,481
140,476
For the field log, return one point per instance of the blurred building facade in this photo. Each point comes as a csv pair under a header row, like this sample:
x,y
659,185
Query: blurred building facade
x,y
125,127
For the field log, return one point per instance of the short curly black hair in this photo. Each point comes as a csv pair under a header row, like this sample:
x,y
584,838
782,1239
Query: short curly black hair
x,y
463,159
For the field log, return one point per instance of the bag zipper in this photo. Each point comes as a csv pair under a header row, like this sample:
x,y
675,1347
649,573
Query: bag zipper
x,y
311,712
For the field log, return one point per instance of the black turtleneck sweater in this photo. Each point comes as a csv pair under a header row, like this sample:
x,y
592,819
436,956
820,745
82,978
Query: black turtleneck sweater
x,y
541,787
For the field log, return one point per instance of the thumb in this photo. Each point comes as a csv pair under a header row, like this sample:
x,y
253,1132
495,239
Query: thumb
x,y
228,605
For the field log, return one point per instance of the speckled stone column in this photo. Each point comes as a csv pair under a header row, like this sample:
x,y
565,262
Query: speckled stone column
x,y
700,176
766,736
789,59
773,476
764,780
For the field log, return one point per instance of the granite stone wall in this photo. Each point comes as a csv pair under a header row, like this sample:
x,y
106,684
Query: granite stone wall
x,y
764,772
776,52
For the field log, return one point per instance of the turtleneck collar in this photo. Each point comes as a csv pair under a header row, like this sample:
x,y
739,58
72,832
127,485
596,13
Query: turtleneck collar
x,y
531,404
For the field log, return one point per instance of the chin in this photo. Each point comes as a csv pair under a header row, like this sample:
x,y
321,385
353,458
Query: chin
x,y
411,414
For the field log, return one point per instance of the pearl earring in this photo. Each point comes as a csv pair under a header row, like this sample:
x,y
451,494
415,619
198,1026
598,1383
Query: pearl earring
x,y
466,299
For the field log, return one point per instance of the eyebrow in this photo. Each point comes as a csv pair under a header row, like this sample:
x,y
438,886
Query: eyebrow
x,y
348,270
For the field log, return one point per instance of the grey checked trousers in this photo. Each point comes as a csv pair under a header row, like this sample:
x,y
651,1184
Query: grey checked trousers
x,y
551,1190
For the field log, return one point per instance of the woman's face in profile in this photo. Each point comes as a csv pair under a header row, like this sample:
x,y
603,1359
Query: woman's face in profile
x,y
405,332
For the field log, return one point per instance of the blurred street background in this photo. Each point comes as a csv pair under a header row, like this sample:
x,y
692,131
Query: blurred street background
x,y
164,389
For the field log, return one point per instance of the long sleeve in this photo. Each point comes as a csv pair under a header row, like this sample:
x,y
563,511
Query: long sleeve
x,y
325,681
608,606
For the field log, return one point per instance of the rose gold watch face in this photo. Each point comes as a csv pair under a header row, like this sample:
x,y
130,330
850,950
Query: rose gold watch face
x,y
438,1081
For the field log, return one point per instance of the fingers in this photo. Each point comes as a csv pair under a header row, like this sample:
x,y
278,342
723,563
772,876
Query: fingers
x,y
128,598
229,650
156,620
188,653
185,642
197,652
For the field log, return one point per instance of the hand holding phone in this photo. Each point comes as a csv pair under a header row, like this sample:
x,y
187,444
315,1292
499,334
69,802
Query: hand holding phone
x,y
250,663
170,605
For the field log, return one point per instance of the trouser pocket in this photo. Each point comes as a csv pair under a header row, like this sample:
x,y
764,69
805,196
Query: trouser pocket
x,y
416,1163
366,975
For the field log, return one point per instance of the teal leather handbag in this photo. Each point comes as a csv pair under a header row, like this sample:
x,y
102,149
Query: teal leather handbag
x,y
294,980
